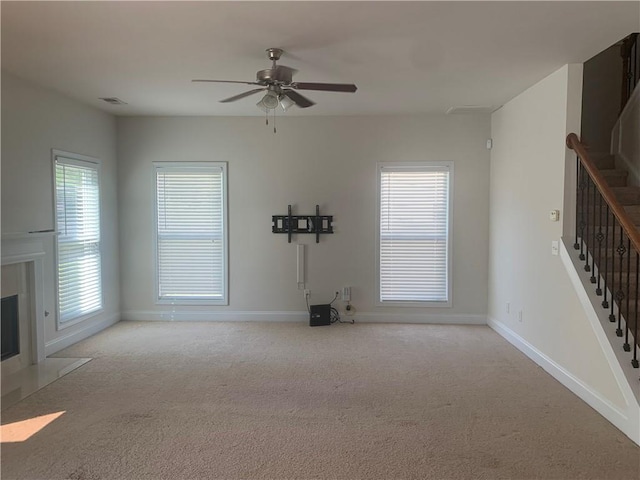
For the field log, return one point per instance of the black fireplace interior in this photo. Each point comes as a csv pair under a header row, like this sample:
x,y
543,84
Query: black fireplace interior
x,y
9,333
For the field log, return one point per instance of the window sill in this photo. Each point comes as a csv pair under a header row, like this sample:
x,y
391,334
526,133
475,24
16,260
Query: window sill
x,y
187,302
413,304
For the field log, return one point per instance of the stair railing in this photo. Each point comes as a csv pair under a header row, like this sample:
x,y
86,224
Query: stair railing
x,y
609,245
630,69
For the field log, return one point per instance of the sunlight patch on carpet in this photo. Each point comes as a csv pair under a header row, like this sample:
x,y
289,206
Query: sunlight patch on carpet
x,y
25,429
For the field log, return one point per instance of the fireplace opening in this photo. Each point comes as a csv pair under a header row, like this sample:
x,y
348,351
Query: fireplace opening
x,y
9,332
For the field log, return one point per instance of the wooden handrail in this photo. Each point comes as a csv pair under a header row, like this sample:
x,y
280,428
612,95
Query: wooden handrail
x,y
573,142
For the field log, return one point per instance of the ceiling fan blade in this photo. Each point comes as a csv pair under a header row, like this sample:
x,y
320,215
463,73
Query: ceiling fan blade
x,y
225,81
327,87
242,95
301,101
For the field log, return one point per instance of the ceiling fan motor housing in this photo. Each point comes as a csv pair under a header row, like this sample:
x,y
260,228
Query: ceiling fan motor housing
x,y
273,75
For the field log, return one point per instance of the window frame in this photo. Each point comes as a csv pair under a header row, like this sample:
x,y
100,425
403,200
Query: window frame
x,y
184,166
415,166
83,161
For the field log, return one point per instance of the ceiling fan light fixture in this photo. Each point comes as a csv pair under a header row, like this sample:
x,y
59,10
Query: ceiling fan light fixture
x,y
286,103
269,101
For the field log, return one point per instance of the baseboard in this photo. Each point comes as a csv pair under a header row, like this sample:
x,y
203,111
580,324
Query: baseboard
x,y
213,316
267,316
60,343
612,413
442,319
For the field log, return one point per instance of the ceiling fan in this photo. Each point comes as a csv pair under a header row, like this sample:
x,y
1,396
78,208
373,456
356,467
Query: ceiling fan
x,y
280,88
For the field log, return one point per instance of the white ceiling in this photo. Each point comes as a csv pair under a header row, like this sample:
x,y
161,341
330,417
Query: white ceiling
x,y
405,57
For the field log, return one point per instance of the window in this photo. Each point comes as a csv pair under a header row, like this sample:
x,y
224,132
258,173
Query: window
x,y
414,233
191,233
78,258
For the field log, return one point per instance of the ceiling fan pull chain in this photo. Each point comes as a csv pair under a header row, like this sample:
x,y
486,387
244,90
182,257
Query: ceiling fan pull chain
x,y
274,120
266,117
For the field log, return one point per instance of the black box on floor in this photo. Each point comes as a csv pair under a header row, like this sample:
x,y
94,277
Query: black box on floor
x,y
319,315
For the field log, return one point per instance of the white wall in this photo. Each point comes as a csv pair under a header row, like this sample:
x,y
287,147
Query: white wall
x,y
527,181
330,161
601,99
34,121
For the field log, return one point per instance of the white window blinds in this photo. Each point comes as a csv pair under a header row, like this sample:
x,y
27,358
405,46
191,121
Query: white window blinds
x,y
79,278
191,232
414,233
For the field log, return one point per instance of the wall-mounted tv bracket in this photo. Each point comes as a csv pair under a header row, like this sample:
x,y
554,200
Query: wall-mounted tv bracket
x,y
290,224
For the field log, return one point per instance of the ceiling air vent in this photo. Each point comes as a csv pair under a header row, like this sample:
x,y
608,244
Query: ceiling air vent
x,y
467,109
113,100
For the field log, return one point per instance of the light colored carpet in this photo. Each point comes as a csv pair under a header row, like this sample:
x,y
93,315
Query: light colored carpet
x,y
286,401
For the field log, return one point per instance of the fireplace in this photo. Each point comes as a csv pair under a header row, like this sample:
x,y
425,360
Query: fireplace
x,y
10,328
26,250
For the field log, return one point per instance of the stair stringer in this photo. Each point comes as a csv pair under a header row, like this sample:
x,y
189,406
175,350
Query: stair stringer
x,y
626,419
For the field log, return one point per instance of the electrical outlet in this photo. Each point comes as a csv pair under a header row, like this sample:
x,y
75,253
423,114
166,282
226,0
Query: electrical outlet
x,y
346,294
307,293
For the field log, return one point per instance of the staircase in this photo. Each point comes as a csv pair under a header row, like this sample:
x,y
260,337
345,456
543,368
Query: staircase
x,y
608,213
608,237
629,197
